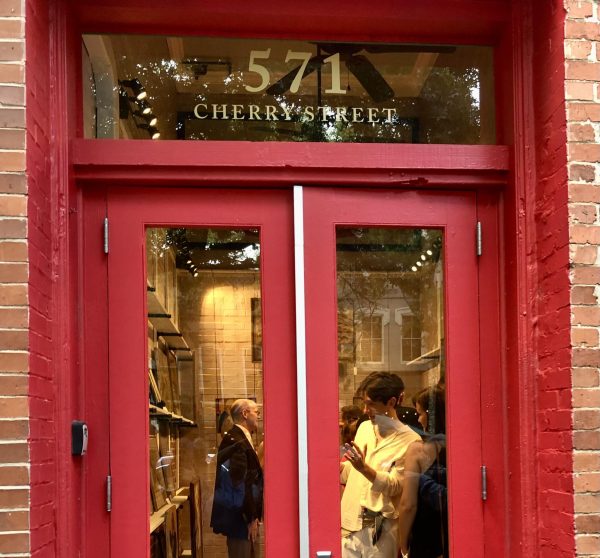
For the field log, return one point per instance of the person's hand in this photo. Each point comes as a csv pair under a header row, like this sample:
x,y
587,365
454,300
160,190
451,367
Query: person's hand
x,y
253,530
356,456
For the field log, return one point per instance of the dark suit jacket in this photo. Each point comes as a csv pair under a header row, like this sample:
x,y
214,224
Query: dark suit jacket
x,y
238,498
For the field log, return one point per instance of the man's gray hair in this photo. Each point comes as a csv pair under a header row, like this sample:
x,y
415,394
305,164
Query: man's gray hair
x,y
238,407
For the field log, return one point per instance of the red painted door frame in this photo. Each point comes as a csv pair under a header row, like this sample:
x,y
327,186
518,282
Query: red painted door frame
x,y
491,25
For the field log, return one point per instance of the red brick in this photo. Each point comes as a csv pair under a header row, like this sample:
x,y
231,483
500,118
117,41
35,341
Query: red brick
x,y
14,384
16,475
13,228
586,397
12,73
11,50
584,255
577,151
586,419
13,273
13,205
17,317
583,295
13,183
584,111
585,337
14,543
17,498
12,139
14,429
583,234
587,544
11,8
586,315
12,160
13,295
583,173
12,28
577,50
589,523
586,275
14,520
14,407
12,118
582,30
584,213
14,339
13,362
12,95
13,251
579,9
586,461
14,453
580,91
581,132
584,440
585,503
586,377
587,482
584,193
580,70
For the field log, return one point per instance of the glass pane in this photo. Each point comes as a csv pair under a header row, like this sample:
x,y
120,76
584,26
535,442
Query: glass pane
x,y
200,88
391,389
205,383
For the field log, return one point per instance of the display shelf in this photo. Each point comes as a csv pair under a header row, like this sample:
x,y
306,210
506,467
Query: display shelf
x,y
161,412
158,517
164,324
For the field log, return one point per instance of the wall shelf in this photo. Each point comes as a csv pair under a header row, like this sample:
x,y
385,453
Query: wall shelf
x,y
164,324
162,412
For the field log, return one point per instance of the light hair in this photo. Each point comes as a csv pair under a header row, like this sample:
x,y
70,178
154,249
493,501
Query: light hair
x,y
238,408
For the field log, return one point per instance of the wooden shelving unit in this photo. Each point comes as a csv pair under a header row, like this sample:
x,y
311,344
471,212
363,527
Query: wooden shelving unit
x,y
164,324
168,415
158,517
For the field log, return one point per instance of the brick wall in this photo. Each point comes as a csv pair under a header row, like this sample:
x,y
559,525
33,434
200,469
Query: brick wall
x,y
14,271
582,48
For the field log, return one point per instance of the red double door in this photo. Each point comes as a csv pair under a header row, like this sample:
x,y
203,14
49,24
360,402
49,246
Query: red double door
x,y
299,356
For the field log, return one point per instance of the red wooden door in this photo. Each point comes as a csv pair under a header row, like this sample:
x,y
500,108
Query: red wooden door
x,y
131,211
330,213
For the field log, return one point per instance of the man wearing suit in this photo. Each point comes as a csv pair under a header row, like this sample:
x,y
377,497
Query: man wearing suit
x,y
238,498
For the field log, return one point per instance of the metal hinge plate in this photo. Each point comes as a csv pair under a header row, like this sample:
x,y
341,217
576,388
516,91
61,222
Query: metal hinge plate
x,y
108,493
484,492
106,235
478,247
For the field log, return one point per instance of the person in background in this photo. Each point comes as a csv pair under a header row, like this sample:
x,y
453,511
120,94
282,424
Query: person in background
x,y
373,472
238,497
423,520
348,423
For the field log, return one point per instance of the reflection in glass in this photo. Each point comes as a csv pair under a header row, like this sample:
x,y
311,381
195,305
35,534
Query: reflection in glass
x,y
203,291
198,88
391,319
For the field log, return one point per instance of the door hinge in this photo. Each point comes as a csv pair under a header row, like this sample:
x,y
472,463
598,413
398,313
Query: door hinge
x,y
106,235
484,483
108,493
478,238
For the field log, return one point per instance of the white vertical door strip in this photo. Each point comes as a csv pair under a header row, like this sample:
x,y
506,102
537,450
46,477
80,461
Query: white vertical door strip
x,y
301,371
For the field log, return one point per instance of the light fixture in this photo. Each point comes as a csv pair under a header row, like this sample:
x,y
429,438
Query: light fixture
x,y
152,131
423,257
136,86
429,253
419,264
414,268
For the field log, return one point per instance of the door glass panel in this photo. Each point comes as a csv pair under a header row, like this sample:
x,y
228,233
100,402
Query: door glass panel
x,y
204,355
207,88
390,289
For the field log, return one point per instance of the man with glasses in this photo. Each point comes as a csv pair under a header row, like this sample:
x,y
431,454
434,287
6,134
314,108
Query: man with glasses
x,y
238,498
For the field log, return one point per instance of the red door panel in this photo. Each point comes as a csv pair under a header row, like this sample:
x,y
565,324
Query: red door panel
x,y
455,214
130,211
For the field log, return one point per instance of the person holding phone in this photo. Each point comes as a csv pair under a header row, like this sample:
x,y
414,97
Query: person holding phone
x,y
373,471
